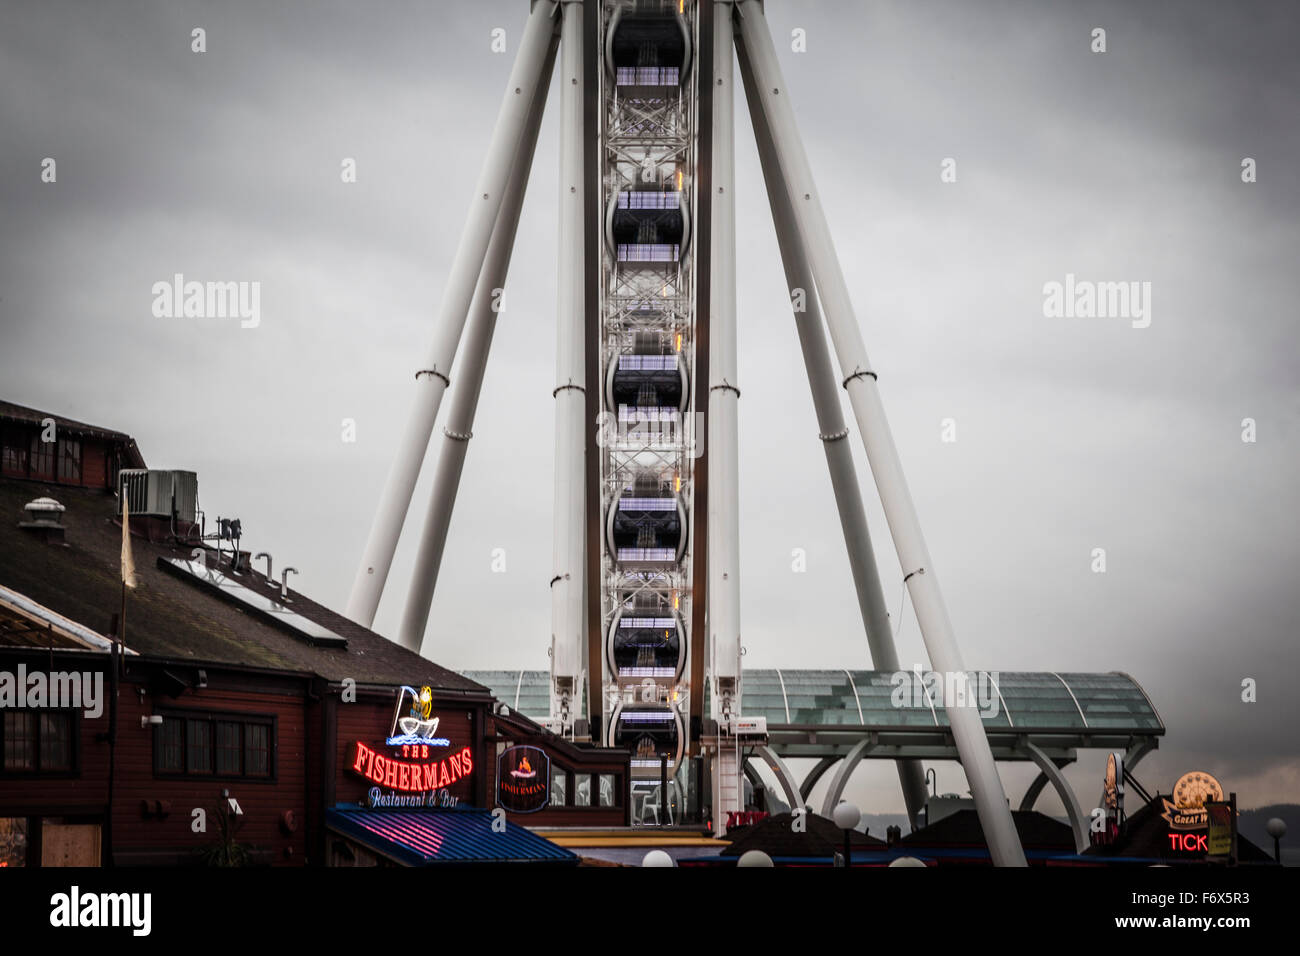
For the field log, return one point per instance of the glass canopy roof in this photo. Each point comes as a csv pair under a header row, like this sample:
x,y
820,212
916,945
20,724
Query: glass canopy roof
x,y
1034,701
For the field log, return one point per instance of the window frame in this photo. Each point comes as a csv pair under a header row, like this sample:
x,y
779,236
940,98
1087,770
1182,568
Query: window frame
x,y
37,771
17,440
47,451
213,718
69,453
591,781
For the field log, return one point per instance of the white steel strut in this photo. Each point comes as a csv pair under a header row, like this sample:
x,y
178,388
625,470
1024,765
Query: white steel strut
x,y
567,584
860,381
833,432
724,395
526,77
465,394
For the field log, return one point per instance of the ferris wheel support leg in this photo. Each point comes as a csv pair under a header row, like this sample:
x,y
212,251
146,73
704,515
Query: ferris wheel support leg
x,y
833,432
568,606
526,77
723,462
488,303
919,574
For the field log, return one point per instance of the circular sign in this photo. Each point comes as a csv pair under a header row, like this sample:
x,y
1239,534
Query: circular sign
x,y
1194,788
523,779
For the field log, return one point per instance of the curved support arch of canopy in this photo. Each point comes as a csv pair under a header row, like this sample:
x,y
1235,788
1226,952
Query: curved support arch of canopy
x,y
782,773
814,775
1036,788
1063,789
844,771
754,778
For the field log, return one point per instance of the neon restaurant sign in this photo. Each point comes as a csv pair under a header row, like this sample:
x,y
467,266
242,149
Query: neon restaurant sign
x,y
1186,812
524,779
413,767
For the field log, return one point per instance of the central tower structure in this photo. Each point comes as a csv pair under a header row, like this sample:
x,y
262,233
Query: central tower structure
x,y
648,491
645,591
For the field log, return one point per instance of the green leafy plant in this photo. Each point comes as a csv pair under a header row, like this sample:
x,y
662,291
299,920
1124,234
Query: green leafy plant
x,y
227,851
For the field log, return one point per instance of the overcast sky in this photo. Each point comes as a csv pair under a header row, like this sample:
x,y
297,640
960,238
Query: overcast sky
x,y
1072,433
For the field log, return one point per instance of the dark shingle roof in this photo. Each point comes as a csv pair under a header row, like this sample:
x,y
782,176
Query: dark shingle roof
x,y
776,837
172,618
963,828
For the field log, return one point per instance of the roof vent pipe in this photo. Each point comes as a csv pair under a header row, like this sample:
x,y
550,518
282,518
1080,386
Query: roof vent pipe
x,y
270,578
284,583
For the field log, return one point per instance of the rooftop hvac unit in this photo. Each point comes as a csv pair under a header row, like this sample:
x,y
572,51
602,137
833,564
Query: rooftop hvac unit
x,y
160,493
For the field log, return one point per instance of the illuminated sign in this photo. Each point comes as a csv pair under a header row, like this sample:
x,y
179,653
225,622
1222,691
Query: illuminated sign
x,y
410,776
1186,810
418,725
412,767
1113,787
1200,820
523,779
1190,842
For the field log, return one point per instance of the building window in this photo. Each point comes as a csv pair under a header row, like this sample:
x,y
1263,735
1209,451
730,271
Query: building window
x,y
13,841
607,790
69,460
169,745
13,458
559,786
38,741
20,741
42,457
582,790
224,745
227,747
257,750
198,746
56,741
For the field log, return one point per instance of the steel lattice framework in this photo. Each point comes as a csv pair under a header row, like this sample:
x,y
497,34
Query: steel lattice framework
x,y
647,305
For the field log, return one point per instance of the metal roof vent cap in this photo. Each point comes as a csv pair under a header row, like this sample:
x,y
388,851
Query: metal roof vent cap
x,y
45,519
44,511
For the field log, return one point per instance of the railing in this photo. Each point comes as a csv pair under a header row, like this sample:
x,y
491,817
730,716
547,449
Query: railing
x,y
647,76
647,363
647,554
649,252
648,199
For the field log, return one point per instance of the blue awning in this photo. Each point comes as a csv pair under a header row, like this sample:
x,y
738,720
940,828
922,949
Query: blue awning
x,y
431,837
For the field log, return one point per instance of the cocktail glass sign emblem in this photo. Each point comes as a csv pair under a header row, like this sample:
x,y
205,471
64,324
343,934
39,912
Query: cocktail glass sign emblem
x,y
412,768
523,779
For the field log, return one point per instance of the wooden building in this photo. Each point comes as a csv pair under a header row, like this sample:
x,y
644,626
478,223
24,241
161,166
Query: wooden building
x,y
245,723
60,451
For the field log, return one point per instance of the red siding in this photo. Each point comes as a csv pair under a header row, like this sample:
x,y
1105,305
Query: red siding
x,y
148,838
264,802
94,464
301,783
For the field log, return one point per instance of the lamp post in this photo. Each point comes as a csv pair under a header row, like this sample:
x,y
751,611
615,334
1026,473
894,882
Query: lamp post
x,y
847,816
1276,828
